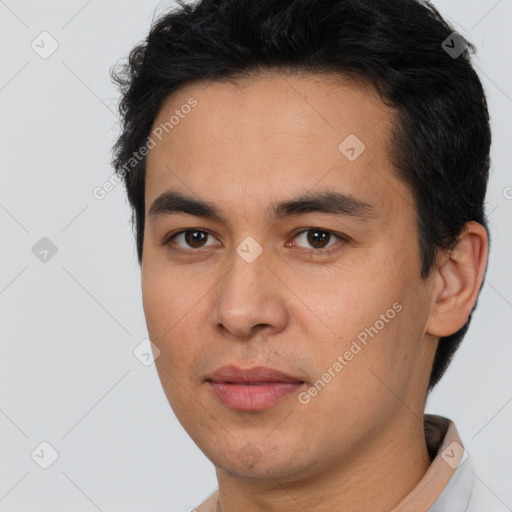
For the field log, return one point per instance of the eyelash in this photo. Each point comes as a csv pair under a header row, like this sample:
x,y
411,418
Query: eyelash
x,y
322,252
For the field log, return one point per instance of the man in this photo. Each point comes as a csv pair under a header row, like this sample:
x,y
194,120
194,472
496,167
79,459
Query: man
x,y
307,181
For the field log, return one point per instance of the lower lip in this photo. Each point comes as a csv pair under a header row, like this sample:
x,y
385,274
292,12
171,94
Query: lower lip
x,y
253,398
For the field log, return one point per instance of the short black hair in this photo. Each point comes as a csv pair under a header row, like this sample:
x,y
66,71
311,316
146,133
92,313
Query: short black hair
x,y
440,142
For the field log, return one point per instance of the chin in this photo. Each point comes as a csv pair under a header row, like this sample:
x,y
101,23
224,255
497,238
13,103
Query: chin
x,y
261,462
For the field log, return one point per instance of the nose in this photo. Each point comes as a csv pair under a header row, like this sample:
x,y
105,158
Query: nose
x,y
251,297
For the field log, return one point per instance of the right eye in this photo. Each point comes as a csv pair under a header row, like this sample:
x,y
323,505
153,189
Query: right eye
x,y
191,238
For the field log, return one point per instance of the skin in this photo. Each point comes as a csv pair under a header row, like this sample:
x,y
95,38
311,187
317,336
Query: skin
x,y
359,444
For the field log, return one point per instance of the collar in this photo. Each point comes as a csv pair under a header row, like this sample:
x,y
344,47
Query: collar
x,y
447,484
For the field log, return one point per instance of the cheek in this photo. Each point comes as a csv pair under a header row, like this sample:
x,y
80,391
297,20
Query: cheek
x,y
374,324
157,309
166,321
166,299
171,308
353,300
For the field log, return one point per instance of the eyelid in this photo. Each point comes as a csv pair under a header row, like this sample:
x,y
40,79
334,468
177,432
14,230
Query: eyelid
x,y
326,250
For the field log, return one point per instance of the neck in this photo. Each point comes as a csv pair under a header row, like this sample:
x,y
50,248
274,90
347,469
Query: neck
x,y
377,478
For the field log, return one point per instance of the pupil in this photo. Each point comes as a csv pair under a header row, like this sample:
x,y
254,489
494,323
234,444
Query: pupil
x,y
314,239
192,239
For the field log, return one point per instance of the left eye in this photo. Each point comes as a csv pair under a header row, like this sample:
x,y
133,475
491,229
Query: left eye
x,y
317,238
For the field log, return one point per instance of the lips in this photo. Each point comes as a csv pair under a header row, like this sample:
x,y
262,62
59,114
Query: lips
x,y
252,389
256,375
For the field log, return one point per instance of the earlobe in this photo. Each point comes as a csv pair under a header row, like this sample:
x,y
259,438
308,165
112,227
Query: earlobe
x,y
459,279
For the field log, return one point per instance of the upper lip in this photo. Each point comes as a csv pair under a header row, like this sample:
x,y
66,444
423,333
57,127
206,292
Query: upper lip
x,y
234,374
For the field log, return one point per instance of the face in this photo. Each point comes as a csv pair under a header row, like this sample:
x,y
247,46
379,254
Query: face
x,y
305,261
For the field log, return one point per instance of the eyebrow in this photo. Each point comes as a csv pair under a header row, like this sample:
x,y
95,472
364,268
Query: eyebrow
x,y
334,203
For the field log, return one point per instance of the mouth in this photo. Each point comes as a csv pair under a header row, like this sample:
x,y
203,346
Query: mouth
x,y
257,375
250,383
252,389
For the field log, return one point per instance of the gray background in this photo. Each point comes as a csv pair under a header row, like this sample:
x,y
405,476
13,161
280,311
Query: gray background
x,y
69,326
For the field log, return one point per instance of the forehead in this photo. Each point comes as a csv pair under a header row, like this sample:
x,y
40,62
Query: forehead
x,y
307,107
274,135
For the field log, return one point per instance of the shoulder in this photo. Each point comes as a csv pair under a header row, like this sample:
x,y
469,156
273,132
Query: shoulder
x,y
483,499
209,504
466,491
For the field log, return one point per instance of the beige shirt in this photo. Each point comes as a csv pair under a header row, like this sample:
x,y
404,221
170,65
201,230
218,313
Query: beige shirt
x,y
437,491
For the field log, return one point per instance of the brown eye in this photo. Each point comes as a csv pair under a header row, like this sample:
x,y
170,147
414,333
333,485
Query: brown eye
x,y
318,240
192,239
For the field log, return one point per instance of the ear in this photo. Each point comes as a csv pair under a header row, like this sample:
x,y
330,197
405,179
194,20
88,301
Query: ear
x,y
458,280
